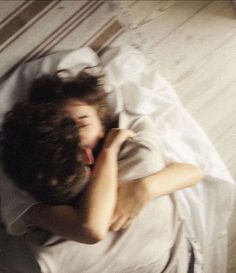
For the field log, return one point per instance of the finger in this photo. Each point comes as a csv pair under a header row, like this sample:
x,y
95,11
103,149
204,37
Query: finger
x,y
130,133
115,218
118,224
122,134
127,223
127,134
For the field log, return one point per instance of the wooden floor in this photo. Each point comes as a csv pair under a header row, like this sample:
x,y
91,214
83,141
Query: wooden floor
x,y
194,43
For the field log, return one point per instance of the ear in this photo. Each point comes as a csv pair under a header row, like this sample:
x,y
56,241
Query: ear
x,y
88,156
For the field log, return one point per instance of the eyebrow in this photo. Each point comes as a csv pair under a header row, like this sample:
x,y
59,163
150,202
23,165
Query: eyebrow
x,y
83,117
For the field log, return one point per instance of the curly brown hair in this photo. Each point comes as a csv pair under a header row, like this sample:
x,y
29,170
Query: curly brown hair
x,y
84,86
41,152
40,144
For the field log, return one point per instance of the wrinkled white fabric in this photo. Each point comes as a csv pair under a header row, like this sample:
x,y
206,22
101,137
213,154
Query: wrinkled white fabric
x,y
153,238
206,207
155,242
157,233
14,202
142,155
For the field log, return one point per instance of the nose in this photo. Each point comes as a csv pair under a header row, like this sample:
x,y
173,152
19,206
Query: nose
x,y
88,156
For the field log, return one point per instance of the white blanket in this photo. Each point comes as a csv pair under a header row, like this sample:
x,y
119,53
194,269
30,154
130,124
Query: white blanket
x,y
206,207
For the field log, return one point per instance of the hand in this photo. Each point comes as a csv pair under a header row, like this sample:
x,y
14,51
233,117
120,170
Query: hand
x,y
131,199
116,137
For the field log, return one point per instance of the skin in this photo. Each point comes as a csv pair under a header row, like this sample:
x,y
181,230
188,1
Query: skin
x,y
89,125
132,197
107,204
90,132
89,222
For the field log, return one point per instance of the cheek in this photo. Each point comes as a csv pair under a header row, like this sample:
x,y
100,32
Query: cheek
x,y
95,135
90,137
96,129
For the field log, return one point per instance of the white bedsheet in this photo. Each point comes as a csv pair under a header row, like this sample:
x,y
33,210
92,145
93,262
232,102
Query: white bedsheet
x,y
206,207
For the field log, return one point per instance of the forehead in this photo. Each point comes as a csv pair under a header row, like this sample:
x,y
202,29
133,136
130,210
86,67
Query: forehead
x,y
78,107
74,103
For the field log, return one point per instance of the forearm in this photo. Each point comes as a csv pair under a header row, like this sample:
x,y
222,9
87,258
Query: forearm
x,y
133,196
100,197
64,221
90,221
174,177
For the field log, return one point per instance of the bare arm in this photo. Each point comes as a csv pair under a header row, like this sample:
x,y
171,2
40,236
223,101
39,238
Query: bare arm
x,y
88,223
101,195
98,201
132,197
64,221
175,176
91,223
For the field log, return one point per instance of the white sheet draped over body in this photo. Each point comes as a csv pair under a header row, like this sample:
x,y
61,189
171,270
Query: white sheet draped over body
x,y
205,208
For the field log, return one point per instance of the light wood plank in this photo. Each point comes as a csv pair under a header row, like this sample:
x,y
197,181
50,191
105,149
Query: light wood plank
x,y
6,9
209,75
144,12
198,56
194,39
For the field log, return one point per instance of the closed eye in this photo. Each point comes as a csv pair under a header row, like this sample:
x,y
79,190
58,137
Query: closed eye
x,y
83,123
82,117
83,126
